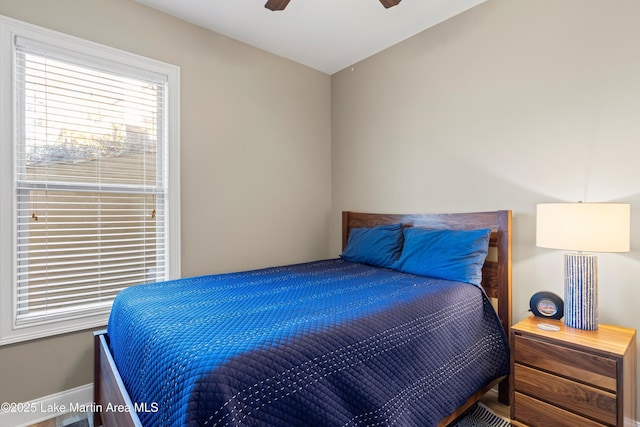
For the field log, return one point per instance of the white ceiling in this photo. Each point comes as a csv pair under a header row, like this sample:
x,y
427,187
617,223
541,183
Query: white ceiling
x,y
327,35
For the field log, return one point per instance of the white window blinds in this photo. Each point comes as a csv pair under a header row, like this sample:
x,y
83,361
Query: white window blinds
x,y
91,181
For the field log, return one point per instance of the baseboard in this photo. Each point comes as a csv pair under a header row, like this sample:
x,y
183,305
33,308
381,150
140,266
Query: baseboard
x,y
24,414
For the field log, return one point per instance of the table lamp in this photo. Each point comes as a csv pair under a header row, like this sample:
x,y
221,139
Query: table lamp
x,y
579,228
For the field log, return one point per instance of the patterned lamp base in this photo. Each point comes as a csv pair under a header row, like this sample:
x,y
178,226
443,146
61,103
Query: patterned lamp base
x,y
581,291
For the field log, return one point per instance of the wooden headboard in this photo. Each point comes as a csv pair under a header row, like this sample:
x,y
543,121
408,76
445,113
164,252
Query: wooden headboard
x,y
496,272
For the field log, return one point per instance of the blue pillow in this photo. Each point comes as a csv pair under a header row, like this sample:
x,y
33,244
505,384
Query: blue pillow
x,y
378,246
445,254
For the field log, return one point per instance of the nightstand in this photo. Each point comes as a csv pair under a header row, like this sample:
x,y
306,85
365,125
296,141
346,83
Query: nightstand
x,y
572,377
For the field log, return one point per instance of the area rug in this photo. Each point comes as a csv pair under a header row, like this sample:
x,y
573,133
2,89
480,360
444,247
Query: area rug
x,y
476,416
480,416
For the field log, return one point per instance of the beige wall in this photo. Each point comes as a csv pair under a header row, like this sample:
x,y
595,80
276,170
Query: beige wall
x,y
510,104
255,161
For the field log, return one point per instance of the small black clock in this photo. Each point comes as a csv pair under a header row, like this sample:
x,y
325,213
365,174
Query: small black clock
x,y
547,305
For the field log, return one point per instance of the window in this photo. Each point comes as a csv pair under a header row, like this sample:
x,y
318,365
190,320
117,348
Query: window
x,y
92,190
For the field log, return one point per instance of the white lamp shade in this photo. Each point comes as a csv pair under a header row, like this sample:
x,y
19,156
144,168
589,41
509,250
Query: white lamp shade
x,y
588,227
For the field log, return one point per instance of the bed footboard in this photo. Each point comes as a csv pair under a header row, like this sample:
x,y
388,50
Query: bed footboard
x,y
114,407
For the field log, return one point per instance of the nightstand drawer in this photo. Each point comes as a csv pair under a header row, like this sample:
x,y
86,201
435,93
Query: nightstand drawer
x,y
535,413
579,398
572,377
586,367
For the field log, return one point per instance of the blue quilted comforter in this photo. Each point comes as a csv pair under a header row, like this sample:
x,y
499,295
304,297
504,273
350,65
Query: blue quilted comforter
x,y
327,343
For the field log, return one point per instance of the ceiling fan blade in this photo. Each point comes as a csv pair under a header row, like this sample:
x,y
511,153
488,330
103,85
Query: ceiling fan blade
x,y
276,4
389,3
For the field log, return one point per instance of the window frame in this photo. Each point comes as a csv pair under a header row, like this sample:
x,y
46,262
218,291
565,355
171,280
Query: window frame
x,y
10,332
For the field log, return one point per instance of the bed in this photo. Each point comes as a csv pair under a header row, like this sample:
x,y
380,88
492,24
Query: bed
x,y
332,342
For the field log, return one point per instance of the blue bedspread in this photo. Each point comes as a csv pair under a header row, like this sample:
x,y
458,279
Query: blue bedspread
x,y
327,343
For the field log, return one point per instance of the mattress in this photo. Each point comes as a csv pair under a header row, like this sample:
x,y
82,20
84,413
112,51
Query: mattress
x,y
325,343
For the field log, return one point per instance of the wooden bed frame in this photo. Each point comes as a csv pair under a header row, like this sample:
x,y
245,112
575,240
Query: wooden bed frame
x,y
496,272
496,280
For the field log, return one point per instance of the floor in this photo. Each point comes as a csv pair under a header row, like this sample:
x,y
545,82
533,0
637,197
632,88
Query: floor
x,y
80,420
67,420
491,400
